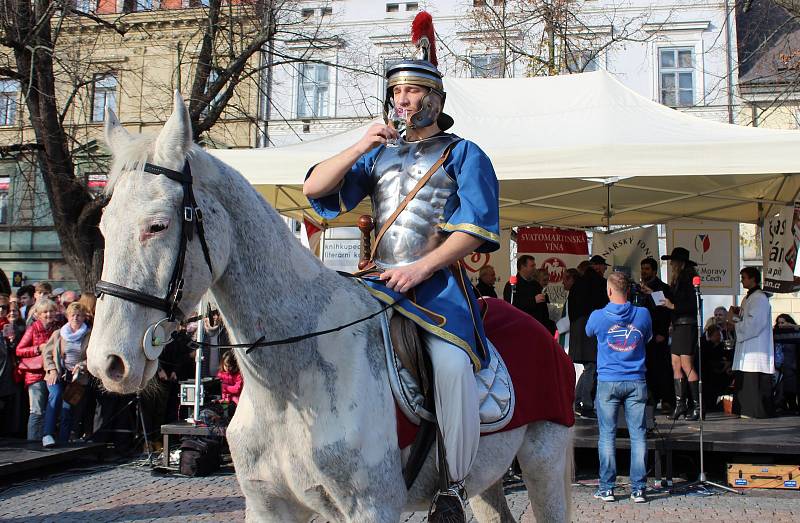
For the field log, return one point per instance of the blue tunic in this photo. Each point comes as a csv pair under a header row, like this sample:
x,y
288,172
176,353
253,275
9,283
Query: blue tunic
x,y
444,304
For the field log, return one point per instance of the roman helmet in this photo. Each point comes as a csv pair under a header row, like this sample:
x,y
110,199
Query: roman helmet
x,y
423,72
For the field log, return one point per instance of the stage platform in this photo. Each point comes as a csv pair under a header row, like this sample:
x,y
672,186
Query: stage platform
x,y
722,433
19,456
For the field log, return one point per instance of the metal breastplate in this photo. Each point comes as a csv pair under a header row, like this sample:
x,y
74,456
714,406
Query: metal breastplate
x,y
397,170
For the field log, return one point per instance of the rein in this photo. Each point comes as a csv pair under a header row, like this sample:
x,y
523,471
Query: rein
x,y
192,220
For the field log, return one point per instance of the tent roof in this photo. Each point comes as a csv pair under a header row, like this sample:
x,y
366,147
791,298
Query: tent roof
x,y
565,146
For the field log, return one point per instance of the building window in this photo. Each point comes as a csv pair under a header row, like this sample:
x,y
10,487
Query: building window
x,y
86,6
5,183
326,11
9,94
412,6
582,61
485,65
392,8
105,95
676,76
307,13
312,93
481,3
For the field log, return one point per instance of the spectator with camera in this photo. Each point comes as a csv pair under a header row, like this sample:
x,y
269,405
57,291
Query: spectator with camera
x,y
529,295
622,331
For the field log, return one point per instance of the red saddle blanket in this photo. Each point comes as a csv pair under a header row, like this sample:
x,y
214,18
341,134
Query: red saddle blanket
x,y
542,373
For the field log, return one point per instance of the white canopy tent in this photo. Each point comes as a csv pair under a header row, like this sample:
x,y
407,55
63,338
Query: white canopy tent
x,y
581,150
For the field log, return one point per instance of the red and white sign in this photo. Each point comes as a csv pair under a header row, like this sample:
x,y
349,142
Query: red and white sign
x,y
555,250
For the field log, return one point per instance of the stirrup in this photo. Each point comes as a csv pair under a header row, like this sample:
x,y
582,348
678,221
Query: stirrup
x,y
448,505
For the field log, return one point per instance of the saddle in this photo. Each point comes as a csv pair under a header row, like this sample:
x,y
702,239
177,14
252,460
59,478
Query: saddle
x,y
411,381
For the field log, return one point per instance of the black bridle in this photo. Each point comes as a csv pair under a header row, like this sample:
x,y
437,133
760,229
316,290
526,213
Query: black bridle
x,y
191,218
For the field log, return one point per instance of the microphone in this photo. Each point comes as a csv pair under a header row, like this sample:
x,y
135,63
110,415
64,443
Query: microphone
x,y
696,281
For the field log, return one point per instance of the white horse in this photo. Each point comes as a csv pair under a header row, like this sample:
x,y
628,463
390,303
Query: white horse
x,y
315,429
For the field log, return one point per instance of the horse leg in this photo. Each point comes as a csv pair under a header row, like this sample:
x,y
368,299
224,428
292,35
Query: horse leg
x,y
265,507
546,452
490,505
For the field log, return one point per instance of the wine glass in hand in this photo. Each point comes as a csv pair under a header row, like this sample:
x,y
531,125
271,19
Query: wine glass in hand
x,y
396,119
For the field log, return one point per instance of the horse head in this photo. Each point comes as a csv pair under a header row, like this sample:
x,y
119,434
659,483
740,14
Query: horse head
x,y
143,225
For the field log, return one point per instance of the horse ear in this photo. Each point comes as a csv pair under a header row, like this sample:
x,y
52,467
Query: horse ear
x,y
175,139
116,135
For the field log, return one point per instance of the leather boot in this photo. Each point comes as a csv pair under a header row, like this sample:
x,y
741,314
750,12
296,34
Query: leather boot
x,y
695,390
680,400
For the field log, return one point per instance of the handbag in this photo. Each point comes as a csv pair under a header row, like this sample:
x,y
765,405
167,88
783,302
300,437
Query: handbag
x,y
73,392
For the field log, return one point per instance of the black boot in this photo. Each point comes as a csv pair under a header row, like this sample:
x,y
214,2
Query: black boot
x,y
695,390
680,400
448,505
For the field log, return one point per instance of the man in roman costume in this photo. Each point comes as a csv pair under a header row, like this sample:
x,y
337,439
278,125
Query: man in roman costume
x,y
418,259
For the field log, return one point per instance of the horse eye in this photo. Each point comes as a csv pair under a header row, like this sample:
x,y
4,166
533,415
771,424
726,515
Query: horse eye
x,y
157,227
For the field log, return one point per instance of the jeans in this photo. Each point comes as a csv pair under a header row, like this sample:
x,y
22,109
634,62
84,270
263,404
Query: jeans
x,y
633,395
37,397
56,408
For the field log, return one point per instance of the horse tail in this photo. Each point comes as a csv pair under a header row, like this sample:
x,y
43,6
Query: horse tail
x,y
569,471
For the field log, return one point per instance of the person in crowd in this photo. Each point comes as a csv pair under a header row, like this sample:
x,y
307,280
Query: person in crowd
x,y
588,294
683,307
716,369
230,378
486,281
622,331
659,366
25,300
8,388
89,302
528,296
30,363
582,266
64,361
754,359
216,334
726,330
41,291
787,338
55,295
67,297
13,409
570,276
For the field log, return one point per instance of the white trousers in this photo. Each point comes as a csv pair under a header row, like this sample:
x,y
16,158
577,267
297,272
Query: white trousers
x,y
456,399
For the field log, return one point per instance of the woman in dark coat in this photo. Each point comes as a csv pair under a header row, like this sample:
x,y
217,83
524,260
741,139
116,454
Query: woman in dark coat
x,y
684,332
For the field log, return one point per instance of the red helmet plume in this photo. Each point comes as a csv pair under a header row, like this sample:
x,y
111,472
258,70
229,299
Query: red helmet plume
x,y
422,36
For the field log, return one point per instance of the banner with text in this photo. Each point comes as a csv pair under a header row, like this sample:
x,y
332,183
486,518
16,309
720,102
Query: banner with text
x,y
555,250
625,250
715,248
499,260
779,250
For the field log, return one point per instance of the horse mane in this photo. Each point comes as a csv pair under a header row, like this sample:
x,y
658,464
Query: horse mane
x,y
131,156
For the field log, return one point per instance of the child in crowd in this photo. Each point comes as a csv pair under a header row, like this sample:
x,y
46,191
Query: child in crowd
x,y
230,378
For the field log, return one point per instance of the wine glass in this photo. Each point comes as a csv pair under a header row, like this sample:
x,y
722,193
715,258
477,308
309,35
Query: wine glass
x,y
396,119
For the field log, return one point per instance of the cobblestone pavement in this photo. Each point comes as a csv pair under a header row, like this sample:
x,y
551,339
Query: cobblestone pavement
x,y
132,494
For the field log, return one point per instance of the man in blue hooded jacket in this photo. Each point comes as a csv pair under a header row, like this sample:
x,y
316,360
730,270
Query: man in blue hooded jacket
x,y
622,331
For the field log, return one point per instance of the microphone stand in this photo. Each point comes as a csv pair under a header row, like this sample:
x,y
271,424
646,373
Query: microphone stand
x,y
702,481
